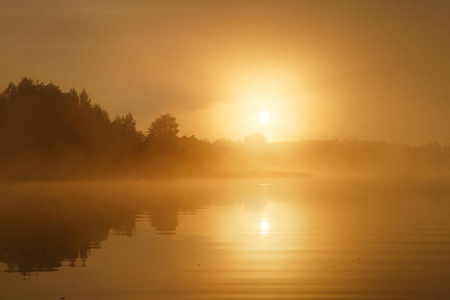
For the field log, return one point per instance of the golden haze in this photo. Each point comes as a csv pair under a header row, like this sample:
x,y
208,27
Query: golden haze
x,y
373,70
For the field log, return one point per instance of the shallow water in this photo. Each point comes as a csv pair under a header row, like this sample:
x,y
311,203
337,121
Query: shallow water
x,y
308,238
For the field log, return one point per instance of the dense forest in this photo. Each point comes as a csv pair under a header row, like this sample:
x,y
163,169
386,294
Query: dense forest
x,y
48,134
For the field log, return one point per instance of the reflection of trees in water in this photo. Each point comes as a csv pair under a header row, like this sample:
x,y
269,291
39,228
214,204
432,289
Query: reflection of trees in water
x,y
164,217
42,226
42,243
38,235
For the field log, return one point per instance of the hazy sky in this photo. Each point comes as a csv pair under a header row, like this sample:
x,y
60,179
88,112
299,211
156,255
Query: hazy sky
x,y
376,70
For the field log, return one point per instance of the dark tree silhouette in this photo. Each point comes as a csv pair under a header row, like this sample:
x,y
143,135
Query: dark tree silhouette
x,y
127,140
164,128
162,139
49,134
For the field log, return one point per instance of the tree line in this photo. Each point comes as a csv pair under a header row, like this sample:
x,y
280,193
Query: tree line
x,y
46,133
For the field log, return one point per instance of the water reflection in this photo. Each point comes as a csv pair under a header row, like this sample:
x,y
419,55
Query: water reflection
x,y
235,239
265,226
45,226
38,241
164,217
41,228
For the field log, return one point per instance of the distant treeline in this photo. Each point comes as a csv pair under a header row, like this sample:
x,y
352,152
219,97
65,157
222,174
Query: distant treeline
x,y
49,134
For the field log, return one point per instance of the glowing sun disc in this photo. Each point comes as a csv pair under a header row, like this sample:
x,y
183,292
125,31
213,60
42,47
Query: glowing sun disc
x,y
264,116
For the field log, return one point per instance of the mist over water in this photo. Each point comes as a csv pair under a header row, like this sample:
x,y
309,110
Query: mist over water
x,y
313,237
326,219
230,150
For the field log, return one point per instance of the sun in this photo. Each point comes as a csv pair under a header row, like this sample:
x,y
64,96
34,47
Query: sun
x,y
264,116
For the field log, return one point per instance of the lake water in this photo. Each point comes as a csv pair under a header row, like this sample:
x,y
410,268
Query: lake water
x,y
298,238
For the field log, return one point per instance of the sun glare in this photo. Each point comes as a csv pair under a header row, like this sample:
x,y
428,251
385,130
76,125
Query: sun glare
x,y
264,116
265,226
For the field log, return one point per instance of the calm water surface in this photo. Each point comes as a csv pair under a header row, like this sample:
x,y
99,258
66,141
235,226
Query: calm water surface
x,y
308,238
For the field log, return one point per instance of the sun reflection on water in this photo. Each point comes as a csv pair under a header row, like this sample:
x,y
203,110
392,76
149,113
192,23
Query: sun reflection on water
x,y
265,226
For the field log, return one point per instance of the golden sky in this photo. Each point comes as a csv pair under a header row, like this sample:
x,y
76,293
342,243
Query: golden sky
x,y
375,70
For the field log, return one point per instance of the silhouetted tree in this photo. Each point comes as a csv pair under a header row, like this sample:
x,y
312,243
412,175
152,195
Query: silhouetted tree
x,y
162,135
127,139
47,134
164,128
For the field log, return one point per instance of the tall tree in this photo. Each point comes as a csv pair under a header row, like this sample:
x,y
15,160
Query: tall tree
x,y
163,129
161,142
